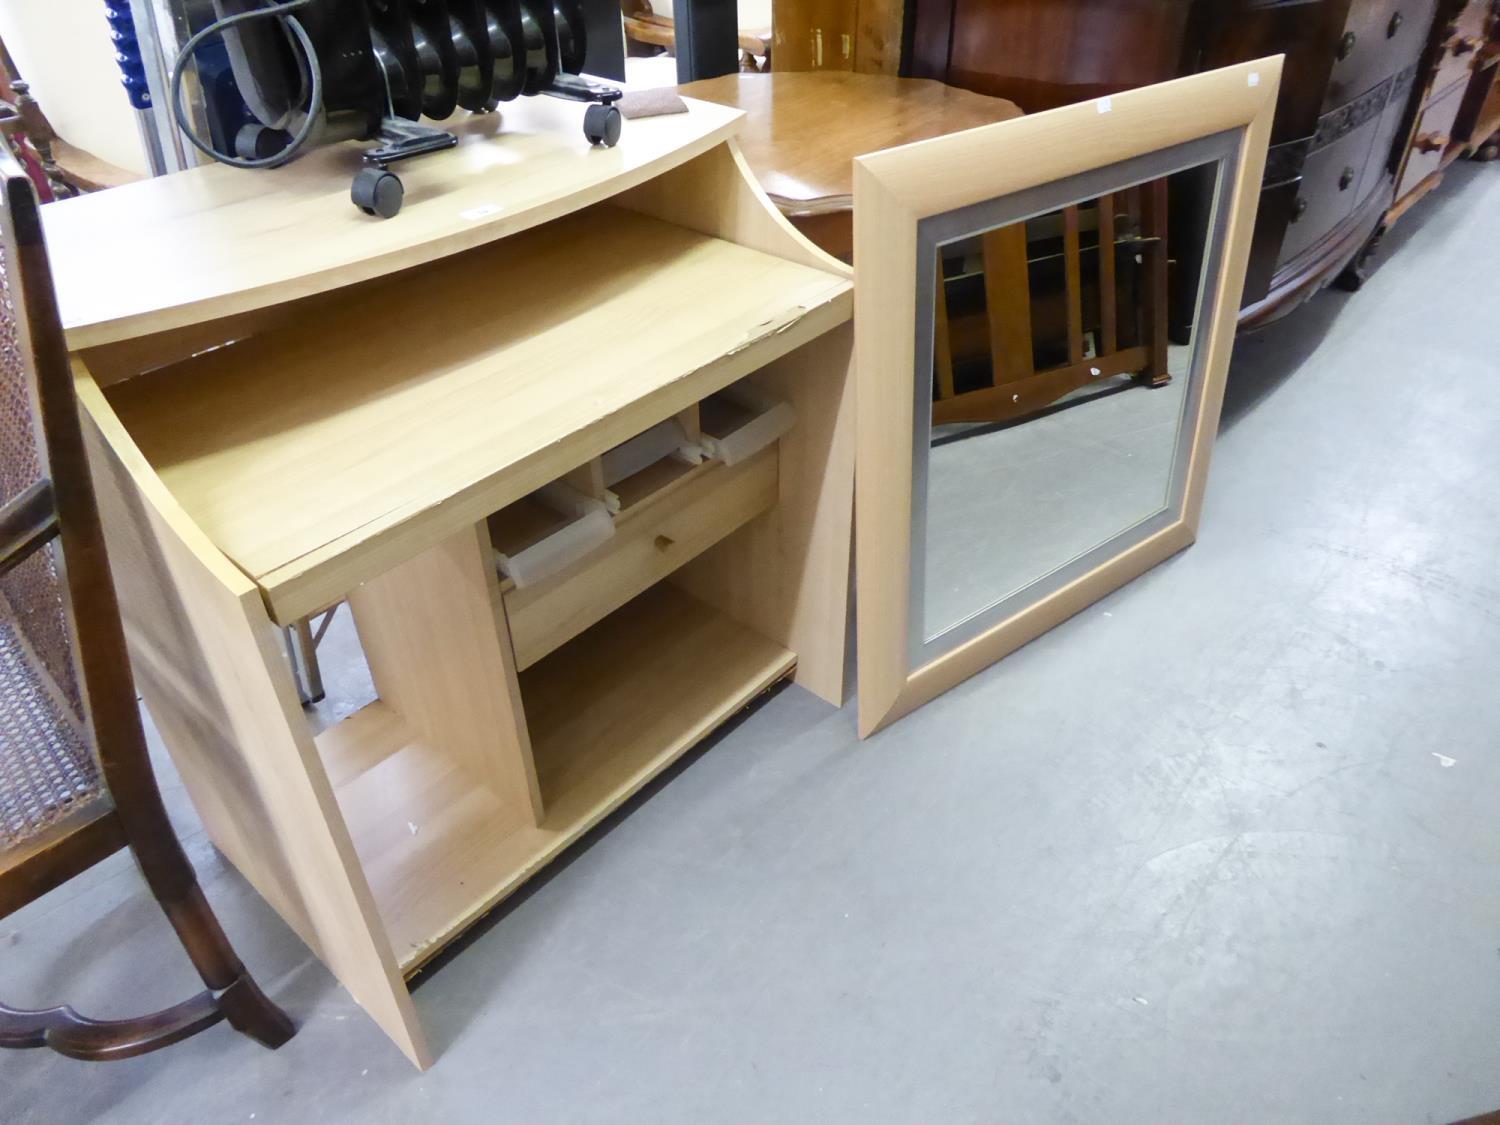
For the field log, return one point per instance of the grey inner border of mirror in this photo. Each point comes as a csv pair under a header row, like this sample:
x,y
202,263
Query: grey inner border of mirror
x,y
965,222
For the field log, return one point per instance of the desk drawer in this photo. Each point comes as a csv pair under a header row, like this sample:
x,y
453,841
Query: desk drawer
x,y
653,537
580,548
1381,37
1463,42
1431,138
1330,189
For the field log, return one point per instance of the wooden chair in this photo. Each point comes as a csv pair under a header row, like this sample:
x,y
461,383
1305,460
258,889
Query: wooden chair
x,y
68,169
647,33
75,781
1038,296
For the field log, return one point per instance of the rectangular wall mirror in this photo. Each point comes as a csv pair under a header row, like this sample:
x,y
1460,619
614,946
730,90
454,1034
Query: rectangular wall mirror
x,y
1045,310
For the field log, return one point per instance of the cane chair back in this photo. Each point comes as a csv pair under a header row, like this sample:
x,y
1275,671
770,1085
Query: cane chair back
x,y
50,779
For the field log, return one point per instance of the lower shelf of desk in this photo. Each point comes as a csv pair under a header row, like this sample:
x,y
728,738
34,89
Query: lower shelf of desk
x,y
658,676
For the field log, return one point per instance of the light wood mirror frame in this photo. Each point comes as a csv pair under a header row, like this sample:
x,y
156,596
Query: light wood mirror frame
x,y
894,191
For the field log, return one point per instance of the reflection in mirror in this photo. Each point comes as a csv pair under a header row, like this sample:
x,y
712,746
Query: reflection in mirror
x,y
1062,376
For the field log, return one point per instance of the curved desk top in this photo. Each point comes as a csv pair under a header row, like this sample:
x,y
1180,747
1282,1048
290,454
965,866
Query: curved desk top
x,y
216,241
803,130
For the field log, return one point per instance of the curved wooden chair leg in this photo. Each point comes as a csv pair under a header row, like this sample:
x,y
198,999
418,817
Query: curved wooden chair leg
x,y
236,996
250,1012
243,1004
232,993
79,1037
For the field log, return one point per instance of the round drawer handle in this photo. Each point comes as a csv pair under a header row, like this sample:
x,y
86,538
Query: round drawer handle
x,y
1346,45
1394,26
1299,209
1431,142
1346,179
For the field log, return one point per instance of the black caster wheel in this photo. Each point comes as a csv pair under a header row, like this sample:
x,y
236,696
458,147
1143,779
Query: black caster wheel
x,y
601,125
377,192
1352,279
258,142
1357,272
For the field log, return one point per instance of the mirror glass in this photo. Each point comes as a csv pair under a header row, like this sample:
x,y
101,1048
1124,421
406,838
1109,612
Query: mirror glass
x,y
1059,330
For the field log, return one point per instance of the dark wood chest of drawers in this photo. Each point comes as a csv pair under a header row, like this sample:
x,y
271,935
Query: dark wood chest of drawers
x,y
1456,107
1346,107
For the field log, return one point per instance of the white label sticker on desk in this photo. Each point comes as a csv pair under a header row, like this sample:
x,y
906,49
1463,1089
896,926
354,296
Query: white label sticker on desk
x,y
1104,105
480,212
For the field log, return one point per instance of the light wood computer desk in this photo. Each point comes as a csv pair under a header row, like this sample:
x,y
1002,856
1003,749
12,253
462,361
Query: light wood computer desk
x,y
395,394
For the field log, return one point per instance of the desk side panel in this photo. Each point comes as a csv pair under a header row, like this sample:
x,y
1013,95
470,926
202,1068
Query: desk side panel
x,y
433,631
716,194
209,667
786,574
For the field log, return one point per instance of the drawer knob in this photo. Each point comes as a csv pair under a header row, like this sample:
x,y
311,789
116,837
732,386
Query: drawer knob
x,y
1346,45
1394,26
1346,179
1431,142
1299,209
1466,45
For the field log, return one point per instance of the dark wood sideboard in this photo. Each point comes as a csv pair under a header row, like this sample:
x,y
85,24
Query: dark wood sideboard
x,y
1457,105
1350,95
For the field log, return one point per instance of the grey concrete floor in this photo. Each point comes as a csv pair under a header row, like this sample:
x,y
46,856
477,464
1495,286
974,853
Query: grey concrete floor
x,y
1006,507
1223,848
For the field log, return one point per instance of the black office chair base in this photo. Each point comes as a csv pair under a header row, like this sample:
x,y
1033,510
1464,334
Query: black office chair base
x,y
379,193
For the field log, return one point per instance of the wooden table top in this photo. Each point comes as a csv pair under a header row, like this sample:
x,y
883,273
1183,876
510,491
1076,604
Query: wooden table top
x,y
803,130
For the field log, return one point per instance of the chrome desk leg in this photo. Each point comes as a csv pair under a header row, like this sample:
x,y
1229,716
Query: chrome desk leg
x,y
302,652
